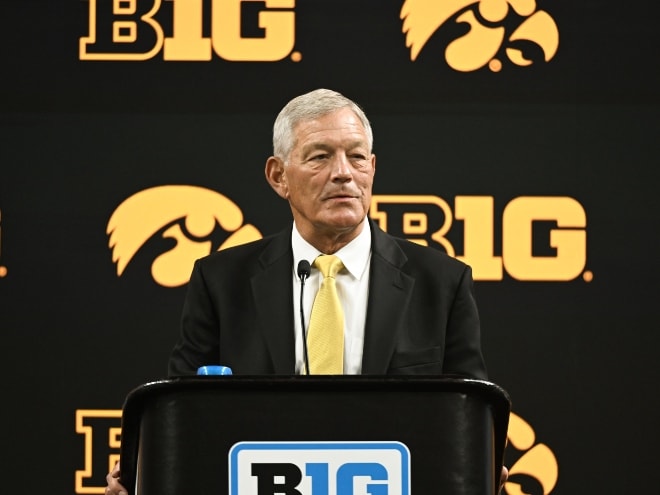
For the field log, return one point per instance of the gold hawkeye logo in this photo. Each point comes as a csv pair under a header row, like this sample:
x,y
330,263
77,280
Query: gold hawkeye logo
x,y
535,461
188,215
483,43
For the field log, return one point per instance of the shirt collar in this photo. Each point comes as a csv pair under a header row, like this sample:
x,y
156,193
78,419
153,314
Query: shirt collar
x,y
354,255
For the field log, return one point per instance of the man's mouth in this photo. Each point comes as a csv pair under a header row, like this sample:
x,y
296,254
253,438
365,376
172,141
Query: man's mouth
x,y
341,196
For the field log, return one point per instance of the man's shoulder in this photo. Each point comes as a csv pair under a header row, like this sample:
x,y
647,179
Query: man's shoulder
x,y
246,253
429,256
423,251
420,255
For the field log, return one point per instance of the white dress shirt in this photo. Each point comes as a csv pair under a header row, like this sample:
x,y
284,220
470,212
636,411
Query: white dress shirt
x,y
353,289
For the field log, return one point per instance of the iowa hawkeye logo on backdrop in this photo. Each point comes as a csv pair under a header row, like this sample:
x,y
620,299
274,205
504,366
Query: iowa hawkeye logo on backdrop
x,y
189,216
488,34
543,238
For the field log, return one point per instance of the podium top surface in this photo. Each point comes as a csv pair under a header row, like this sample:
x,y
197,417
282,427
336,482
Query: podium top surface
x,y
353,383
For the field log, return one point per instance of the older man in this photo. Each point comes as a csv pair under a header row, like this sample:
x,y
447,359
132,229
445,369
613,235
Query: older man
x,y
405,309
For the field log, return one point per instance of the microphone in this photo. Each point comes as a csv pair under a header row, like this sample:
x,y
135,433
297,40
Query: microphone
x,y
304,269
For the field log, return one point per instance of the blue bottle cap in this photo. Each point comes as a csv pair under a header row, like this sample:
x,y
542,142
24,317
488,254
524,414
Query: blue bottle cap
x,y
214,370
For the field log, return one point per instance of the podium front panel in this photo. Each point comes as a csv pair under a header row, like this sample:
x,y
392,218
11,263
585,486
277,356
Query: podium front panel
x,y
314,436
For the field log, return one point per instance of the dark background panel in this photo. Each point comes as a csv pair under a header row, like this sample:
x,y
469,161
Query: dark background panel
x,y
605,55
78,138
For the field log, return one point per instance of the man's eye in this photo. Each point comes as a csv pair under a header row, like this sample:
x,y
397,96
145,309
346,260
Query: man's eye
x,y
358,159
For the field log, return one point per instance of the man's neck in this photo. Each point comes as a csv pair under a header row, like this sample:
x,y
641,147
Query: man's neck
x,y
329,242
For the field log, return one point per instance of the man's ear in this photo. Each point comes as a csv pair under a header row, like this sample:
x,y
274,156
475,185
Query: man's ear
x,y
276,176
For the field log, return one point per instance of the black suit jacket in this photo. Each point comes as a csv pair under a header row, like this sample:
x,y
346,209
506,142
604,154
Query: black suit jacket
x,y
421,318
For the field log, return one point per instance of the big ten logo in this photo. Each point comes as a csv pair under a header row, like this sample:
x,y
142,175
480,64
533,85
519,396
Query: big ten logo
x,y
487,31
189,221
327,468
3,269
190,30
542,238
101,429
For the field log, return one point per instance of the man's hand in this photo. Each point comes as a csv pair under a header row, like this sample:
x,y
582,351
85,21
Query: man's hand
x,y
114,487
503,477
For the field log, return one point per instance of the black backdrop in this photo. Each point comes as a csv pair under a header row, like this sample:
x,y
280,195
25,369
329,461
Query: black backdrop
x,y
79,137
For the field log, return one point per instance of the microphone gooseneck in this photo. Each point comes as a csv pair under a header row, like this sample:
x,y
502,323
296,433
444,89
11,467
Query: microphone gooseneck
x,y
304,269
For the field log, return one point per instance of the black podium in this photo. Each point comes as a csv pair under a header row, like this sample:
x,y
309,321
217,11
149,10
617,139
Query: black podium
x,y
306,435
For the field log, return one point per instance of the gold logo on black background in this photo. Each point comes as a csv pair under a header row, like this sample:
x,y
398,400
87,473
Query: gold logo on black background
x,y
186,214
537,461
131,30
487,33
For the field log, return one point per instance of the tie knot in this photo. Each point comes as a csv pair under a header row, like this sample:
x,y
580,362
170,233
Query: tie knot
x,y
329,265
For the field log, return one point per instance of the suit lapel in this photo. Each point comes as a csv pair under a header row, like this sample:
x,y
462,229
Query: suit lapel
x,y
389,294
273,300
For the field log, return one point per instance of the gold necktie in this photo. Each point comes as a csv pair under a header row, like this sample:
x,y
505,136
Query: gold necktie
x,y
325,336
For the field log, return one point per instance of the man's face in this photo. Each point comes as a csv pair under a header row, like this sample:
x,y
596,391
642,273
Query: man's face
x,y
329,176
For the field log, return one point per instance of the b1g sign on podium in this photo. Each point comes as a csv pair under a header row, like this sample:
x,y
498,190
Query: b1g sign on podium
x,y
314,435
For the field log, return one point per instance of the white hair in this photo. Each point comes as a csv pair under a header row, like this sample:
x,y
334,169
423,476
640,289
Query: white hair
x,y
310,106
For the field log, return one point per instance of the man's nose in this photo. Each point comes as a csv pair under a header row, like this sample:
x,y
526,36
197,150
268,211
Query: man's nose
x,y
341,167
